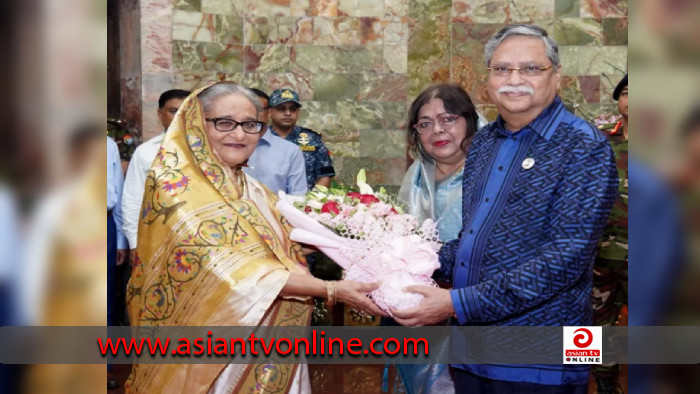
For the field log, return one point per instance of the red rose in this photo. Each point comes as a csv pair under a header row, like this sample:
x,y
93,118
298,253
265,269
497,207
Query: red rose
x,y
330,206
394,211
307,209
368,199
354,195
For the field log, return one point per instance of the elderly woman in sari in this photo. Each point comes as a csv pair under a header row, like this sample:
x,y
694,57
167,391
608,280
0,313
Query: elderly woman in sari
x,y
213,249
442,120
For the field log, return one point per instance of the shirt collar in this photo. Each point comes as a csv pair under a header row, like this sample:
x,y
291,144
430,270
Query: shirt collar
x,y
544,124
266,137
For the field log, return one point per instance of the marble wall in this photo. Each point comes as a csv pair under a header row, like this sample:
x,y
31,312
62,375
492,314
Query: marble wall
x,y
357,64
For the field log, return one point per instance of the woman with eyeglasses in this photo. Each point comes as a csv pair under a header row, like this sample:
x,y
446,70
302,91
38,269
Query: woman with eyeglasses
x,y
214,251
442,121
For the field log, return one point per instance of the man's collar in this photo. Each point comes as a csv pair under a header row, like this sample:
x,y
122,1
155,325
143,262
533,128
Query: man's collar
x,y
266,137
544,124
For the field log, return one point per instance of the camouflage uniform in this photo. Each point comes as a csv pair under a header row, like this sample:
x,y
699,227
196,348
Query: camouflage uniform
x,y
316,155
610,268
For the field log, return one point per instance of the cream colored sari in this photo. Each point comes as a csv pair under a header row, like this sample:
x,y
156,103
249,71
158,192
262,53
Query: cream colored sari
x,y
208,256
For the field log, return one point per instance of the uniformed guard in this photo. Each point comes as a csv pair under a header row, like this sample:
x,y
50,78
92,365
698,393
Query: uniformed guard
x,y
284,112
610,269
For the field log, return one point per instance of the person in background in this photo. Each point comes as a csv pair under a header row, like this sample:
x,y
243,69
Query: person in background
x,y
135,182
539,185
285,108
610,268
116,241
277,163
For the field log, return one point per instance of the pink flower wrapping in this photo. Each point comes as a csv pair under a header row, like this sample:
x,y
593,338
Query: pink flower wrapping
x,y
370,238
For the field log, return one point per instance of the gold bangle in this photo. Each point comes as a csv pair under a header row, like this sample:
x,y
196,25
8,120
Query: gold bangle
x,y
330,296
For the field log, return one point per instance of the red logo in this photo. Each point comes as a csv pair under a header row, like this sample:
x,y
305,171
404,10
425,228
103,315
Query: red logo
x,y
583,339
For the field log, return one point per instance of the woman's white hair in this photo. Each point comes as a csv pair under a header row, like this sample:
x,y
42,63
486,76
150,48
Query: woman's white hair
x,y
210,94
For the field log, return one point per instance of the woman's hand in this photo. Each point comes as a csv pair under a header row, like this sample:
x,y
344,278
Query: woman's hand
x,y
354,294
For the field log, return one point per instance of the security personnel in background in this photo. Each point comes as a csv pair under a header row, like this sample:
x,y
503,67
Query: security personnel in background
x,y
610,269
284,112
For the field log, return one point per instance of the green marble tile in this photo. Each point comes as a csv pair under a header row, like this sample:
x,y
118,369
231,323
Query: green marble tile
x,y
578,31
383,143
191,80
193,26
395,115
315,58
335,87
396,10
580,60
427,45
615,31
608,82
425,9
292,30
360,59
267,58
320,115
570,91
604,8
342,30
383,87
369,8
343,149
396,33
467,61
566,8
187,55
379,171
224,7
488,111
360,115
218,57
480,11
229,29
269,8
396,58
528,11
256,31
188,5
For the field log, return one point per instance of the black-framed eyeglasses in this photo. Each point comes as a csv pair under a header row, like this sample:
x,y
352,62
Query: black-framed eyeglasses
x,y
225,125
526,71
428,126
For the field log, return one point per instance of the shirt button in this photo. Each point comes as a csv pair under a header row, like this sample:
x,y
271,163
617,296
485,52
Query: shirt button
x,y
462,263
500,168
471,231
486,199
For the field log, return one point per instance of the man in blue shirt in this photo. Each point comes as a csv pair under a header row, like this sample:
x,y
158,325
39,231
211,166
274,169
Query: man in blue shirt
x,y
285,108
277,163
539,184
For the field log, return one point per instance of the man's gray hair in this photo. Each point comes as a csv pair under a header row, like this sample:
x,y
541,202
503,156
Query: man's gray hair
x,y
210,94
522,30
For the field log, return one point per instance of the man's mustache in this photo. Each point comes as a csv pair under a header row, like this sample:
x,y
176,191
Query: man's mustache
x,y
516,89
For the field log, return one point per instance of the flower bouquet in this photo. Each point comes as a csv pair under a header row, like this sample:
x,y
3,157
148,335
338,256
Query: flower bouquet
x,y
369,236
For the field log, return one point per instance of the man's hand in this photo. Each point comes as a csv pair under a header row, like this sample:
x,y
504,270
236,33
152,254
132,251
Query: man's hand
x,y
121,256
436,306
132,256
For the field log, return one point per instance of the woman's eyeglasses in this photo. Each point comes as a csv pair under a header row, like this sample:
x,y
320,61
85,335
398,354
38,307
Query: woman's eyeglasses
x,y
226,125
428,126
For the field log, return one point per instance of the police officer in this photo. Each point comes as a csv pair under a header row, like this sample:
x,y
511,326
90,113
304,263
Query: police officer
x,y
284,112
610,269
